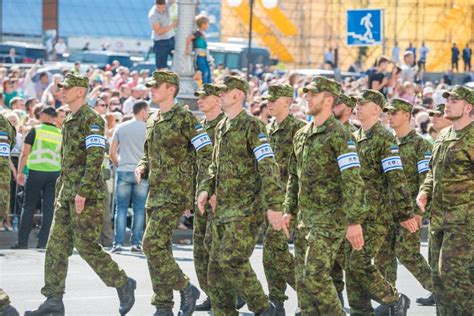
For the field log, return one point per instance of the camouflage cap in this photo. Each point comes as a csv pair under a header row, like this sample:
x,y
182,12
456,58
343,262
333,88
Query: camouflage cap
x,y
276,91
372,96
72,80
209,89
320,84
163,76
234,82
438,110
460,93
398,105
347,100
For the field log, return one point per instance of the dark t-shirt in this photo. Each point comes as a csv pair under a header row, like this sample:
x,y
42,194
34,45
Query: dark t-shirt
x,y
454,53
378,76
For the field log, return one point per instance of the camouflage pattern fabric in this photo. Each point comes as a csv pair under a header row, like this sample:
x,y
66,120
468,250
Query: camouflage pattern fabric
x,y
278,263
201,225
372,96
449,186
325,191
82,153
7,142
415,152
276,91
396,104
438,110
235,82
320,84
74,80
163,76
177,154
4,299
460,93
386,192
347,100
209,89
244,176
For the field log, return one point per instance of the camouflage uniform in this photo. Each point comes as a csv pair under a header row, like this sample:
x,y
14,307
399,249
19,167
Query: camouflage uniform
x,y
7,142
4,299
243,174
386,192
278,262
337,272
82,154
201,233
449,185
177,150
325,192
415,153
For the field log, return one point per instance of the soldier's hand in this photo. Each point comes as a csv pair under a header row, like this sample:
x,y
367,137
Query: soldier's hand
x,y
202,200
138,173
79,202
355,236
422,200
213,202
274,218
411,225
419,220
285,224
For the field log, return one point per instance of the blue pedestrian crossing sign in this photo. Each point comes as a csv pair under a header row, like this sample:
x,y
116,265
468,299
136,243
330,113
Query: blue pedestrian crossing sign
x,y
364,27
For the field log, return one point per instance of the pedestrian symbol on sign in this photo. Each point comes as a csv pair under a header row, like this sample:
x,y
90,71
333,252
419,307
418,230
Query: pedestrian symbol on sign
x,y
365,21
364,27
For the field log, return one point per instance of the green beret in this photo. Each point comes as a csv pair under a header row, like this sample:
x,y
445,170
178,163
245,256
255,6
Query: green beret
x,y
398,105
438,110
460,93
278,90
347,100
372,96
163,76
321,84
234,82
72,80
209,89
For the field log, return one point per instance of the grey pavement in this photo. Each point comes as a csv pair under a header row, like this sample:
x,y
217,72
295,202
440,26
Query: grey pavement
x,y
21,275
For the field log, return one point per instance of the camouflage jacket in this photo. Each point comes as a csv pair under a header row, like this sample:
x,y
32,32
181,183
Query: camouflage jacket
x,y
177,154
350,127
243,172
7,141
82,155
324,184
415,152
281,140
386,188
450,182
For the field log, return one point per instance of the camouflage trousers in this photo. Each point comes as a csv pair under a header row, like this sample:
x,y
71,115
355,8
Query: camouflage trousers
x,y
201,246
165,273
400,243
278,263
230,272
337,272
315,254
364,281
5,175
451,260
4,299
81,231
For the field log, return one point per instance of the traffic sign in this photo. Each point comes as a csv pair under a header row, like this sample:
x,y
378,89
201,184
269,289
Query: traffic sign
x,y
364,27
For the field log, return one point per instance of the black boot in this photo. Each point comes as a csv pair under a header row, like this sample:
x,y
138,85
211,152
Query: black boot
x,y
53,306
205,306
427,301
239,303
341,298
127,296
382,310
9,311
189,296
298,311
163,312
270,311
279,308
401,307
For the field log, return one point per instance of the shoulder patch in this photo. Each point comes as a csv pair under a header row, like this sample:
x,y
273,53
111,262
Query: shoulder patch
x,y
3,136
262,137
394,149
95,128
199,127
351,144
427,154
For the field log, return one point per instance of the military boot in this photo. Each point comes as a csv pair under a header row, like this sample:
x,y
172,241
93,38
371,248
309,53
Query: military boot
x,y
163,312
298,311
427,301
279,308
127,296
270,311
382,310
239,303
9,311
189,296
401,307
205,306
53,306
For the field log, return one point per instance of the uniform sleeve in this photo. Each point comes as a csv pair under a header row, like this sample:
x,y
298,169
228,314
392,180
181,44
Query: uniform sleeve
x,y
12,132
392,167
257,139
94,139
423,166
291,197
144,161
351,183
208,183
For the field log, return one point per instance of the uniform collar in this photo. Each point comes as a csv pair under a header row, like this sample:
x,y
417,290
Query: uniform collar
x,y
210,124
160,117
370,132
313,129
74,116
405,139
458,134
